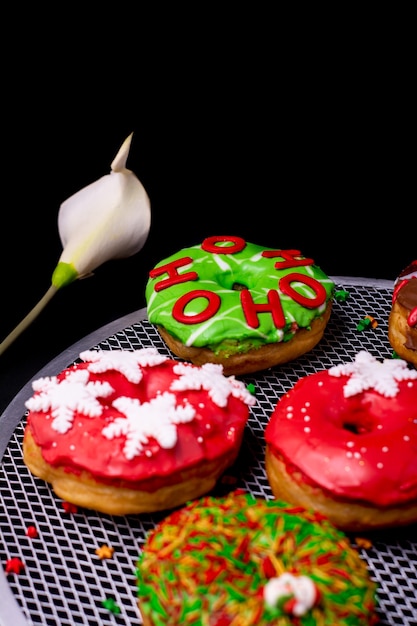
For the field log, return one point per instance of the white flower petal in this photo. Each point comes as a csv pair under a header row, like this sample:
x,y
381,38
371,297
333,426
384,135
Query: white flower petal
x,y
108,219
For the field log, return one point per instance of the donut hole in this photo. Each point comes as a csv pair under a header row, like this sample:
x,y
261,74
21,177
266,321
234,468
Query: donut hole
x,y
231,282
358,425
238,287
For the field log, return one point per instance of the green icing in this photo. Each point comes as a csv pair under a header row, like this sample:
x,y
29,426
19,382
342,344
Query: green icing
x,y
197,550
227,331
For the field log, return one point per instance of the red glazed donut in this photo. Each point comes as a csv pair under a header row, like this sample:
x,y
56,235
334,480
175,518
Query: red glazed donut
x,y
134,431
343,442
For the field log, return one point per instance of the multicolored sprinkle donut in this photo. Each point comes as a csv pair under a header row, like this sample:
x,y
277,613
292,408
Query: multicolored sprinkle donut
x,y
402,322
343,441
241,305
133,431
245,561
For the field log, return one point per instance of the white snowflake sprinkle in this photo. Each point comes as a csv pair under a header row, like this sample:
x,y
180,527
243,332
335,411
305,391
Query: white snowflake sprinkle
x,y
157,418
210,377
64,398
129,363
366,372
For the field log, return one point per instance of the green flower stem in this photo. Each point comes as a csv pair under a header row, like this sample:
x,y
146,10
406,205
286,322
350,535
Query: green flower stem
x,y
32,315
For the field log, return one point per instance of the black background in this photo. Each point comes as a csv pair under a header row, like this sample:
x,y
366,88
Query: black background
x,y
286,141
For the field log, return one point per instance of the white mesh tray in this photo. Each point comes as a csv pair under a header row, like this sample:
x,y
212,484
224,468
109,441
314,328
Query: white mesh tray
x,y
64,582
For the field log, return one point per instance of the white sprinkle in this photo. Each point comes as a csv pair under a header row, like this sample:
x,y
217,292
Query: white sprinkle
x,y
349,455
307,418
350,444
357,455
380,465
406,438
307,429
385,449
72,447
290,416
200,439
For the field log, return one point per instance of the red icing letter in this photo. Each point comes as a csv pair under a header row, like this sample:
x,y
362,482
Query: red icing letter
x,y
171,270
210,245
309,303
212,307
288,255
251,310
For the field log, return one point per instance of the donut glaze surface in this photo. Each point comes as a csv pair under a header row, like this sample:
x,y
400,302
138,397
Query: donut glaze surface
x,y
242,560
232,296
135,416
352,430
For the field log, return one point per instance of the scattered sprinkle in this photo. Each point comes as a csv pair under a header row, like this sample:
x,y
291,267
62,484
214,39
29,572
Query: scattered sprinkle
x,y
111,605
69,507
341,295
105,552
363,542
14,566
32,532
366,322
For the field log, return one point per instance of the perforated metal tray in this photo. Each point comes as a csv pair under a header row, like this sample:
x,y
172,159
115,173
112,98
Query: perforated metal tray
x,y
64,581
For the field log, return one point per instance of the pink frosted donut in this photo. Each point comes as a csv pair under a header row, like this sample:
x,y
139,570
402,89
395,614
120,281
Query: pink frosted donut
x,y
343,441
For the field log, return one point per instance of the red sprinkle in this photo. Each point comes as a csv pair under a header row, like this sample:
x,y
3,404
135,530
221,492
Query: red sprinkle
x,y
32,532
14,566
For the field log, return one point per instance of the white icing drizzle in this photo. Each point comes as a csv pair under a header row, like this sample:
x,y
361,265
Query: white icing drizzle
x,y
210,377
156,418
366,372
64,398
123,361
301,588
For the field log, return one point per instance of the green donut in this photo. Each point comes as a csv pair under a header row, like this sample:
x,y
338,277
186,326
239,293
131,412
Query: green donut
x,y
231,296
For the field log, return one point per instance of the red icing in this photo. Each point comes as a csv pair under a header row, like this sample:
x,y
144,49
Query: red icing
x,y
412,318
251,310
289,256
210,245
173,276
363,447
213,432
213,305
285,284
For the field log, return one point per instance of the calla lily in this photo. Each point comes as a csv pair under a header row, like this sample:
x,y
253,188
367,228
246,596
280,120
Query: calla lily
x,y
108,219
